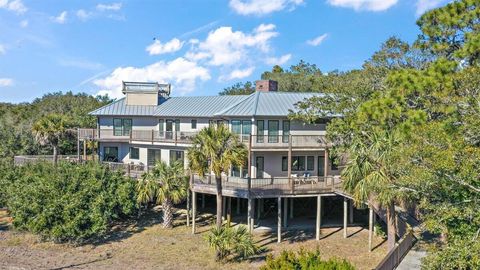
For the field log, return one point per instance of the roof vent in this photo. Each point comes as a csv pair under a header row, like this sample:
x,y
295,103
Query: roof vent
x,y
145,93
266,86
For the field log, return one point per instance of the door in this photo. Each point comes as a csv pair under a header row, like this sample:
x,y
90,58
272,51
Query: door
x,y
169,129
259,164
153,155
321,166
110,154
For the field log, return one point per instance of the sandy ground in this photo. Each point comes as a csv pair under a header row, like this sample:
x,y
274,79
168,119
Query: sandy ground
x,y
146,245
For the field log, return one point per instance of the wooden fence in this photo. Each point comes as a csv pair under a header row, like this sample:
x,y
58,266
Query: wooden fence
x,y
395,256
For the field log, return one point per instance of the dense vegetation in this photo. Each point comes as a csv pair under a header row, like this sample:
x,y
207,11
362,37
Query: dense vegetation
x,y
68,202
231,243
304,260
410,126
17,120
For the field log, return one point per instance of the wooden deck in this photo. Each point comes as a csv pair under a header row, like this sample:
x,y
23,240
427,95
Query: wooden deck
x,y
269,187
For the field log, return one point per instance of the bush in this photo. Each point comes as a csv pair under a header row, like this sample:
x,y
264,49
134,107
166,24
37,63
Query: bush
x,y
69,202
304,260
230,241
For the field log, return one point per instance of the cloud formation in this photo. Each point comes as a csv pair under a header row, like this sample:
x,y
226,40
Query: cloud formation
x,y
278,60
358,5
4,82
16,6
105,7
61,18
425,5
238,74
318,40
262,7
3,50
157,47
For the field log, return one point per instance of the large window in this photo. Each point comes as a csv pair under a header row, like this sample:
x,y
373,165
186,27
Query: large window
x,y
153,156
134,153
161,128
237,127
298,163
176,156
246,129
260,131
122,126
285,131
194,124
273,131
110,154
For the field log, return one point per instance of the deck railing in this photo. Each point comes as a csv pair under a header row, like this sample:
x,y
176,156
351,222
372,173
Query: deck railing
x,y
257,141
20,160
273,185
395,256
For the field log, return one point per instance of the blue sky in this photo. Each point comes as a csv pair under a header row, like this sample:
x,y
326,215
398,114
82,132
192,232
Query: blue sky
x,y
199,47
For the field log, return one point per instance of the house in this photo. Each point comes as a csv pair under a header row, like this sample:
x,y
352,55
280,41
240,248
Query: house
x,y
287,159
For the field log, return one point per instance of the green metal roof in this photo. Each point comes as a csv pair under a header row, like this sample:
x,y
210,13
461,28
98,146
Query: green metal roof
x,y
256,104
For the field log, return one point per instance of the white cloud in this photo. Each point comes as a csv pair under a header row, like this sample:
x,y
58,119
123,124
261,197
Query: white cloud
x,y
278,60
182,73
4,82
113,6
16,6
238,74
371,5
262,7
425,5
61,18
157,47
318,40
224,46
24,23
3,50
83,15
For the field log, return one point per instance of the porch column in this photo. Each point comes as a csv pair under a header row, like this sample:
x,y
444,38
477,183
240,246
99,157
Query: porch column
x,y
224,208
252,222
259,208
370,228
285,214
291,208
78,144
351,212
289,162
84,149
238,206
279,220
249,214
188,207
249,161
229,211
325,165
319,217
194,210
345,214
203,201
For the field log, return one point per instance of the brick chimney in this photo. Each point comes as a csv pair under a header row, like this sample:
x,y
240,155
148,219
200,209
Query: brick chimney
x,y
266,86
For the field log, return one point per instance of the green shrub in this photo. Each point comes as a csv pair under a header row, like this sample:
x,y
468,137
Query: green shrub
x,y
304,260
231,241
69,202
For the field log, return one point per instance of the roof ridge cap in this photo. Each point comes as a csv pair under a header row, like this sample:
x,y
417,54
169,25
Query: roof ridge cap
x,y
233,105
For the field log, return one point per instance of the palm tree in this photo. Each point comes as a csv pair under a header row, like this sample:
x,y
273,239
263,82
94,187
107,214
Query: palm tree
x,y
370,175
165,185
215,149
48,130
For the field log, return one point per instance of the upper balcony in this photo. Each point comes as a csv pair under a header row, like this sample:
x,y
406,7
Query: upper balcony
x,y
255,142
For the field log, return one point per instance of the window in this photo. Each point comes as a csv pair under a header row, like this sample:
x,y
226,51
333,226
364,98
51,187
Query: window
x,y
284,164
272,131
153,156
110,154
259,162
260,131
177,125
285,131
194,124
236,127
310,163
246,129
122,127
298,163
161,128
176,156
134,153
